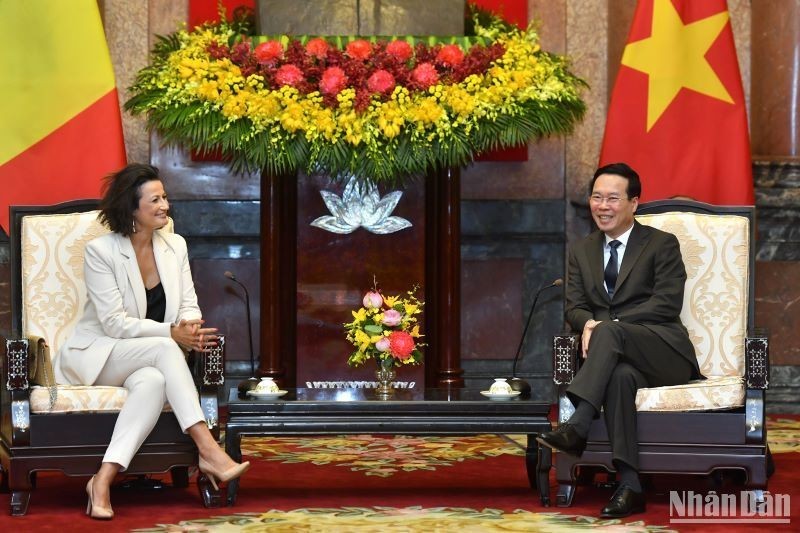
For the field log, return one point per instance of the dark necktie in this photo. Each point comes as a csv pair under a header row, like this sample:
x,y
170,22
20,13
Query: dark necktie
x,y
612,268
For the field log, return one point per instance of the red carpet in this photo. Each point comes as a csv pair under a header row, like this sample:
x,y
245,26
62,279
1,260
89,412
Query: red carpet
x,y
384,484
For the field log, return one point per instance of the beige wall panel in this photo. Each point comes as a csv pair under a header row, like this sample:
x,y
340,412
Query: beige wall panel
x,y
587,30
126,32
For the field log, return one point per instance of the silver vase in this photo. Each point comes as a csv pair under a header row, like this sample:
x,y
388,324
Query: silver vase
x,y
385,375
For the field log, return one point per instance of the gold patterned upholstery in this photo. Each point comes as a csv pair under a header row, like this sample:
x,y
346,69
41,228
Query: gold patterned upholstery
x,y
714,250
53,298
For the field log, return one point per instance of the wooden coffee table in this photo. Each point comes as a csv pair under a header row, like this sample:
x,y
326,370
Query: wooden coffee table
x,y
408,412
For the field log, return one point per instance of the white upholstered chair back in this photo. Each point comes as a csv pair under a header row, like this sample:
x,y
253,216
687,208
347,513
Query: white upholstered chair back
x,y
53,287
715,252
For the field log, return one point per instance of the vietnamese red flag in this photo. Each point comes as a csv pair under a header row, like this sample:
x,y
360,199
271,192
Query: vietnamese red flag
x,y
677,112
60,125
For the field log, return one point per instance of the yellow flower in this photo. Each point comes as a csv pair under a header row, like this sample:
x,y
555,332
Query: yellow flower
x,y
410,308
390,300
360,315
415,331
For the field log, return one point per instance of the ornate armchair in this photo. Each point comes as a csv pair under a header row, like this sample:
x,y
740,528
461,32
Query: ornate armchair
x,y
709,425
49,426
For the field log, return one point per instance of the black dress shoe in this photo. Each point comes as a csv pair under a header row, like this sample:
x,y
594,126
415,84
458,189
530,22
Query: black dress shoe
x,y
564,439
624,502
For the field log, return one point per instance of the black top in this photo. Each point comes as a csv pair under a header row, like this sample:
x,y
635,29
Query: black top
x,y
156,303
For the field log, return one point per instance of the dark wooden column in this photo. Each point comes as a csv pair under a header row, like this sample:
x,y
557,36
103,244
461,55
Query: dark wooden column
x,y
443,279
278,275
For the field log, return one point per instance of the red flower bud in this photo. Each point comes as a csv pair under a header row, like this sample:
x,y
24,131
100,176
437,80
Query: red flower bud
x,y
450,55
359,49
425,75
317,47
400,50
381,81
401,344
269,52
333,80
289,75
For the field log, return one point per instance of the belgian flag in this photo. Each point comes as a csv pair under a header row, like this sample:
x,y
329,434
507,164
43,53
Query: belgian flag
x,y
60,124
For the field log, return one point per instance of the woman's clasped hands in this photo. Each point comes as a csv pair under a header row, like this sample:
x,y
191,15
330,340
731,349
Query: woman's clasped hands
x,y
190,334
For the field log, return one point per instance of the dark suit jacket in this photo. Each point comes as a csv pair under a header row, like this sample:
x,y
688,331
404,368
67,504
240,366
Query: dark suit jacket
x,y
649,287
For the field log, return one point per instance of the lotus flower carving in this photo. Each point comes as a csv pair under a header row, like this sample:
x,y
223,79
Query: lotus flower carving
x,y
361,206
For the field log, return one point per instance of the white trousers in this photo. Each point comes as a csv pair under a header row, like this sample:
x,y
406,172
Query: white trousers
x,y
153,369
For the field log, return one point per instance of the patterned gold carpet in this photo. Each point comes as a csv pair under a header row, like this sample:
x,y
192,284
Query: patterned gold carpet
x,y
333,470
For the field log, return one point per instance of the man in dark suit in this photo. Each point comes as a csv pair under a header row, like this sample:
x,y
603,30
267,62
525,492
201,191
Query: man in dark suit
x,y
624,293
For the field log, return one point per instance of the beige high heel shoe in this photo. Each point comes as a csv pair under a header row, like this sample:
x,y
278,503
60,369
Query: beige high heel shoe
x,y
215,475
95,511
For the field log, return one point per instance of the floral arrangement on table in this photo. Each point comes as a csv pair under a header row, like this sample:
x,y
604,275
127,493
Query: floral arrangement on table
x,y
386,330
372,108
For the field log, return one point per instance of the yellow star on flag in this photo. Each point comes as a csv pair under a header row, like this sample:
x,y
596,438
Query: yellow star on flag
x,y
673,57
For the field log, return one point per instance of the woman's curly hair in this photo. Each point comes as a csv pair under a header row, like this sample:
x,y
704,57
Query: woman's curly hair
x,y
121,195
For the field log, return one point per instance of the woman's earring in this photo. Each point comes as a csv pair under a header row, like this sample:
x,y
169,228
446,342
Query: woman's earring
x,y
134,226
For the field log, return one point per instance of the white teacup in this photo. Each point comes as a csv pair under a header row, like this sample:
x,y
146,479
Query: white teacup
x,y
267,385
500,386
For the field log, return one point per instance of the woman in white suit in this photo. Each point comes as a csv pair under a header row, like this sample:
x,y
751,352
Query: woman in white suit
x,y
141,310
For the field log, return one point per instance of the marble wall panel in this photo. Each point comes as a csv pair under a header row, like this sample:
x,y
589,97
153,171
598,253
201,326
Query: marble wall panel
x,y
775,122
127,24
778,308
5,287
491,311
587,45
509,249
361,17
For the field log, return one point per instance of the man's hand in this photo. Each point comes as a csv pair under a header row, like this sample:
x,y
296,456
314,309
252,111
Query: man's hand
x,y
587,334
190,334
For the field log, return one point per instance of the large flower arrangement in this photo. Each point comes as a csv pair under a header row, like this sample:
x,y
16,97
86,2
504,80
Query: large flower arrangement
x,y
379,110
385,329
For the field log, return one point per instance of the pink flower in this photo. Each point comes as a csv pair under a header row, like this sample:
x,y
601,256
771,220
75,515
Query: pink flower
x,y
317,47
450,55
391,318
333,80
372,300
359,49
269,52
401,344
381,81
383,344
400,50
425,75
289,75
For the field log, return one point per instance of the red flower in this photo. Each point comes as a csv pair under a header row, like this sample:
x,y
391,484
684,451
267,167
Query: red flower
x,y
269,52
400,50
401,344
359,49
333,80
450,55
289,75
381,82
317,47
425,75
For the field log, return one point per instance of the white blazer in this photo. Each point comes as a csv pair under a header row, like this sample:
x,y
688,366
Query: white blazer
x,y
117,302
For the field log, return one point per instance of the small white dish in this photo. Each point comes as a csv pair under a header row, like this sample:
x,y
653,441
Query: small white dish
x,y
492,396
266,395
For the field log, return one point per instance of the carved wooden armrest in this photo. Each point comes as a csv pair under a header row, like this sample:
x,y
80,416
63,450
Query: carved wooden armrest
x,y
565,358
16,364
756,351
16,382
209,375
